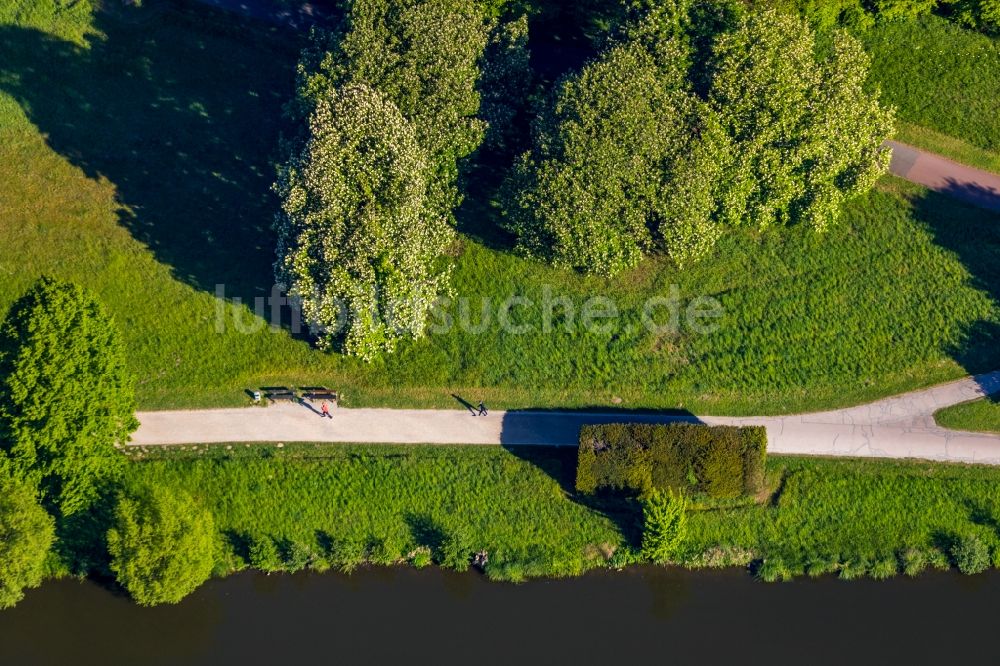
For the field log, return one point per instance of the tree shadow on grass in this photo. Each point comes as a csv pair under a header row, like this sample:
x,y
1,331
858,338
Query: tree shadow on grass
x,y
972,233
425,531
550,440
81,538
182,115
559,463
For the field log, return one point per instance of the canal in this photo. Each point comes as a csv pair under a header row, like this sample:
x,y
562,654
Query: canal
x,y
644,615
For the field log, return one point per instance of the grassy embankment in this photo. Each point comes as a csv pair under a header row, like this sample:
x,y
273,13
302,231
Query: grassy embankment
x,y
848,517
945,82
979,416
140,164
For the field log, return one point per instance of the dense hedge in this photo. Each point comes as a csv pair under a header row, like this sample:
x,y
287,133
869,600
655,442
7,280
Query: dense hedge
x,y
722,461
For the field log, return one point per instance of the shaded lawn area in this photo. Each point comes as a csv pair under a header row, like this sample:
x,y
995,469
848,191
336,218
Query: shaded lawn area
x,y
140,166
519,505
981,415
945,82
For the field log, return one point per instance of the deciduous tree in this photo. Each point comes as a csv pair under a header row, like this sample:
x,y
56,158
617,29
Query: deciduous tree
x,y
26,535
806,132
624,159
162,545
423,56
358,242
67,397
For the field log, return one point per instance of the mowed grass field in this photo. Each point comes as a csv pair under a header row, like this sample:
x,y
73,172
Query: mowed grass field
x,y
822,516
945,82
138,162
979,416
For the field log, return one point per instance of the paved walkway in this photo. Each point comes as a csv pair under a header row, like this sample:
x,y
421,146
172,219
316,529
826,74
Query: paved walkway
x,y
940,174
898,427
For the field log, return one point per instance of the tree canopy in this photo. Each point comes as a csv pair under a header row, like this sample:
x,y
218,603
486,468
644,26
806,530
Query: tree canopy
x,y
807,133
26,535
67,397
358,242
423,56
661,143
162,545
617,166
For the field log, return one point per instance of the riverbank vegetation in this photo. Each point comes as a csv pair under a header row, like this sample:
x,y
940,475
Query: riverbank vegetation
x,y
305,506
284,508
981,415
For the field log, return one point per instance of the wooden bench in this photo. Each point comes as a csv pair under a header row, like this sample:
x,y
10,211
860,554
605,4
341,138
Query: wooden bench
x,y
276,393
318,393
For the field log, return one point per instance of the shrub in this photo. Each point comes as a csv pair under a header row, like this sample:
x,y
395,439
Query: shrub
x,y
295,555
264,554
772,570
664,517
938,559
913,561
883,567
818,566
722,461
382,550
421,557
67,396
970,554
456,552
26,535
162,545
347,554
854,568
624,556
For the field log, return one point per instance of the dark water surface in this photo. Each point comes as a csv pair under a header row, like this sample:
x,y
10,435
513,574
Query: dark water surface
x,y
418,617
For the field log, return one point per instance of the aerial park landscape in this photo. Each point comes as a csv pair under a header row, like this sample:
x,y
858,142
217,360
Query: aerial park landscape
x,y
648,296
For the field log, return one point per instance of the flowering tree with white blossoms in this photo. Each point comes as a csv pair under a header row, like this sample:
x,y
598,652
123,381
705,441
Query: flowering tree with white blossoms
x,y
619,166
358,244
628,158
808,133
423,55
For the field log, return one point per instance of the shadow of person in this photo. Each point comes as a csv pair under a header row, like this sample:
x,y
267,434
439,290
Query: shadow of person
x,y
182,118
465,403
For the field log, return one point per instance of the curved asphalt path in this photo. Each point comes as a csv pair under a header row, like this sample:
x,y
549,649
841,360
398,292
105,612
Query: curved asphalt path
x,y
975,186
898,427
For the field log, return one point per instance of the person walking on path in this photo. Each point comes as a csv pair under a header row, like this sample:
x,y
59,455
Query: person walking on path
x,y
326,411
482,409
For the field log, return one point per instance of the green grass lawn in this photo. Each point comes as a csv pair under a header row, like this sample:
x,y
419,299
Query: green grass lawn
x,y
140,163
979,415
945,82
518,504
830,514
395,499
